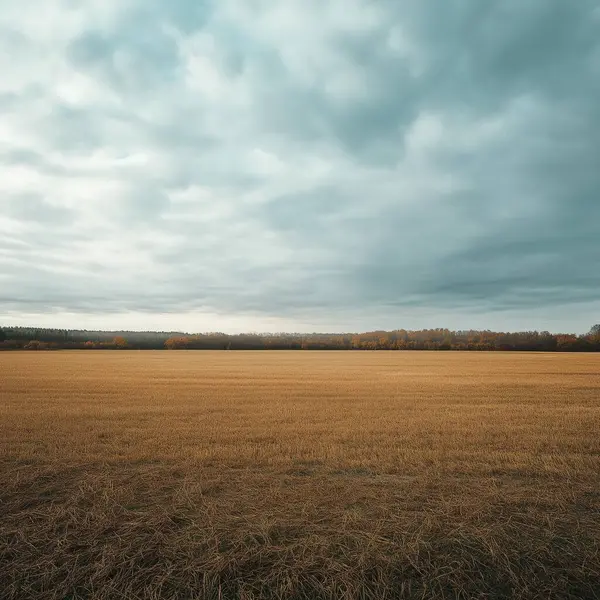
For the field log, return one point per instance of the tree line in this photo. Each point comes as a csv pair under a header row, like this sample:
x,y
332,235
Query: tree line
x,y
29,338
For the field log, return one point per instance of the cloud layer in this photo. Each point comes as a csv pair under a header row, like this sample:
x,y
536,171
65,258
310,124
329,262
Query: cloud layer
x,y
304,164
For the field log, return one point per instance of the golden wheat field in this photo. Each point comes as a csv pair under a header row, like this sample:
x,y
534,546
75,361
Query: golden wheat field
x,y
299,475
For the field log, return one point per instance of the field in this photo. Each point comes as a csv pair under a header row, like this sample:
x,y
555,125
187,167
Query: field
x,y
300,475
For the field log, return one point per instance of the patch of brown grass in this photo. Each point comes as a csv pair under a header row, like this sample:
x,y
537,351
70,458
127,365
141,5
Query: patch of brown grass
x,y
158,475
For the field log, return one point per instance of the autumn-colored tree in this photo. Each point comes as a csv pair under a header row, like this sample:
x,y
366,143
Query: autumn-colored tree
x,y
177,343
566,342
36,345
120,342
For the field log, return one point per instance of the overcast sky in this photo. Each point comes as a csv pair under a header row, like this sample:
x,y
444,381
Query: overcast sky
x,y
300,165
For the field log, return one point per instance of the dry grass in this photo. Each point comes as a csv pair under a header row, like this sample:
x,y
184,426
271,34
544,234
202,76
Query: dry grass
x,y
155,475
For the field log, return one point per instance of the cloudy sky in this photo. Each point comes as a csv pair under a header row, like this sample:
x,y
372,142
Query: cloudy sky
x,y
300,165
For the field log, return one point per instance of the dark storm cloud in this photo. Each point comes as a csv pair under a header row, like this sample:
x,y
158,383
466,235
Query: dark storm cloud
x,y
303,159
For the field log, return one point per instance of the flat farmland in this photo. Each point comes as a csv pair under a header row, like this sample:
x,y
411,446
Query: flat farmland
x,y
300,475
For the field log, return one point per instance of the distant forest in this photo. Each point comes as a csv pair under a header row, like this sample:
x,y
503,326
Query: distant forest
x,y
31,338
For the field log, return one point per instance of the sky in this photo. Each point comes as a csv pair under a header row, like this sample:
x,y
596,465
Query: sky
x,y
350,165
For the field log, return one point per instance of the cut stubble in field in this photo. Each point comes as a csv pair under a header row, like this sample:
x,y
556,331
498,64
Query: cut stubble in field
x,y
299,475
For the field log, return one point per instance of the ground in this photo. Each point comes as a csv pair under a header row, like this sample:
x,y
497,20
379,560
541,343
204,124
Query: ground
x,y
314,475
